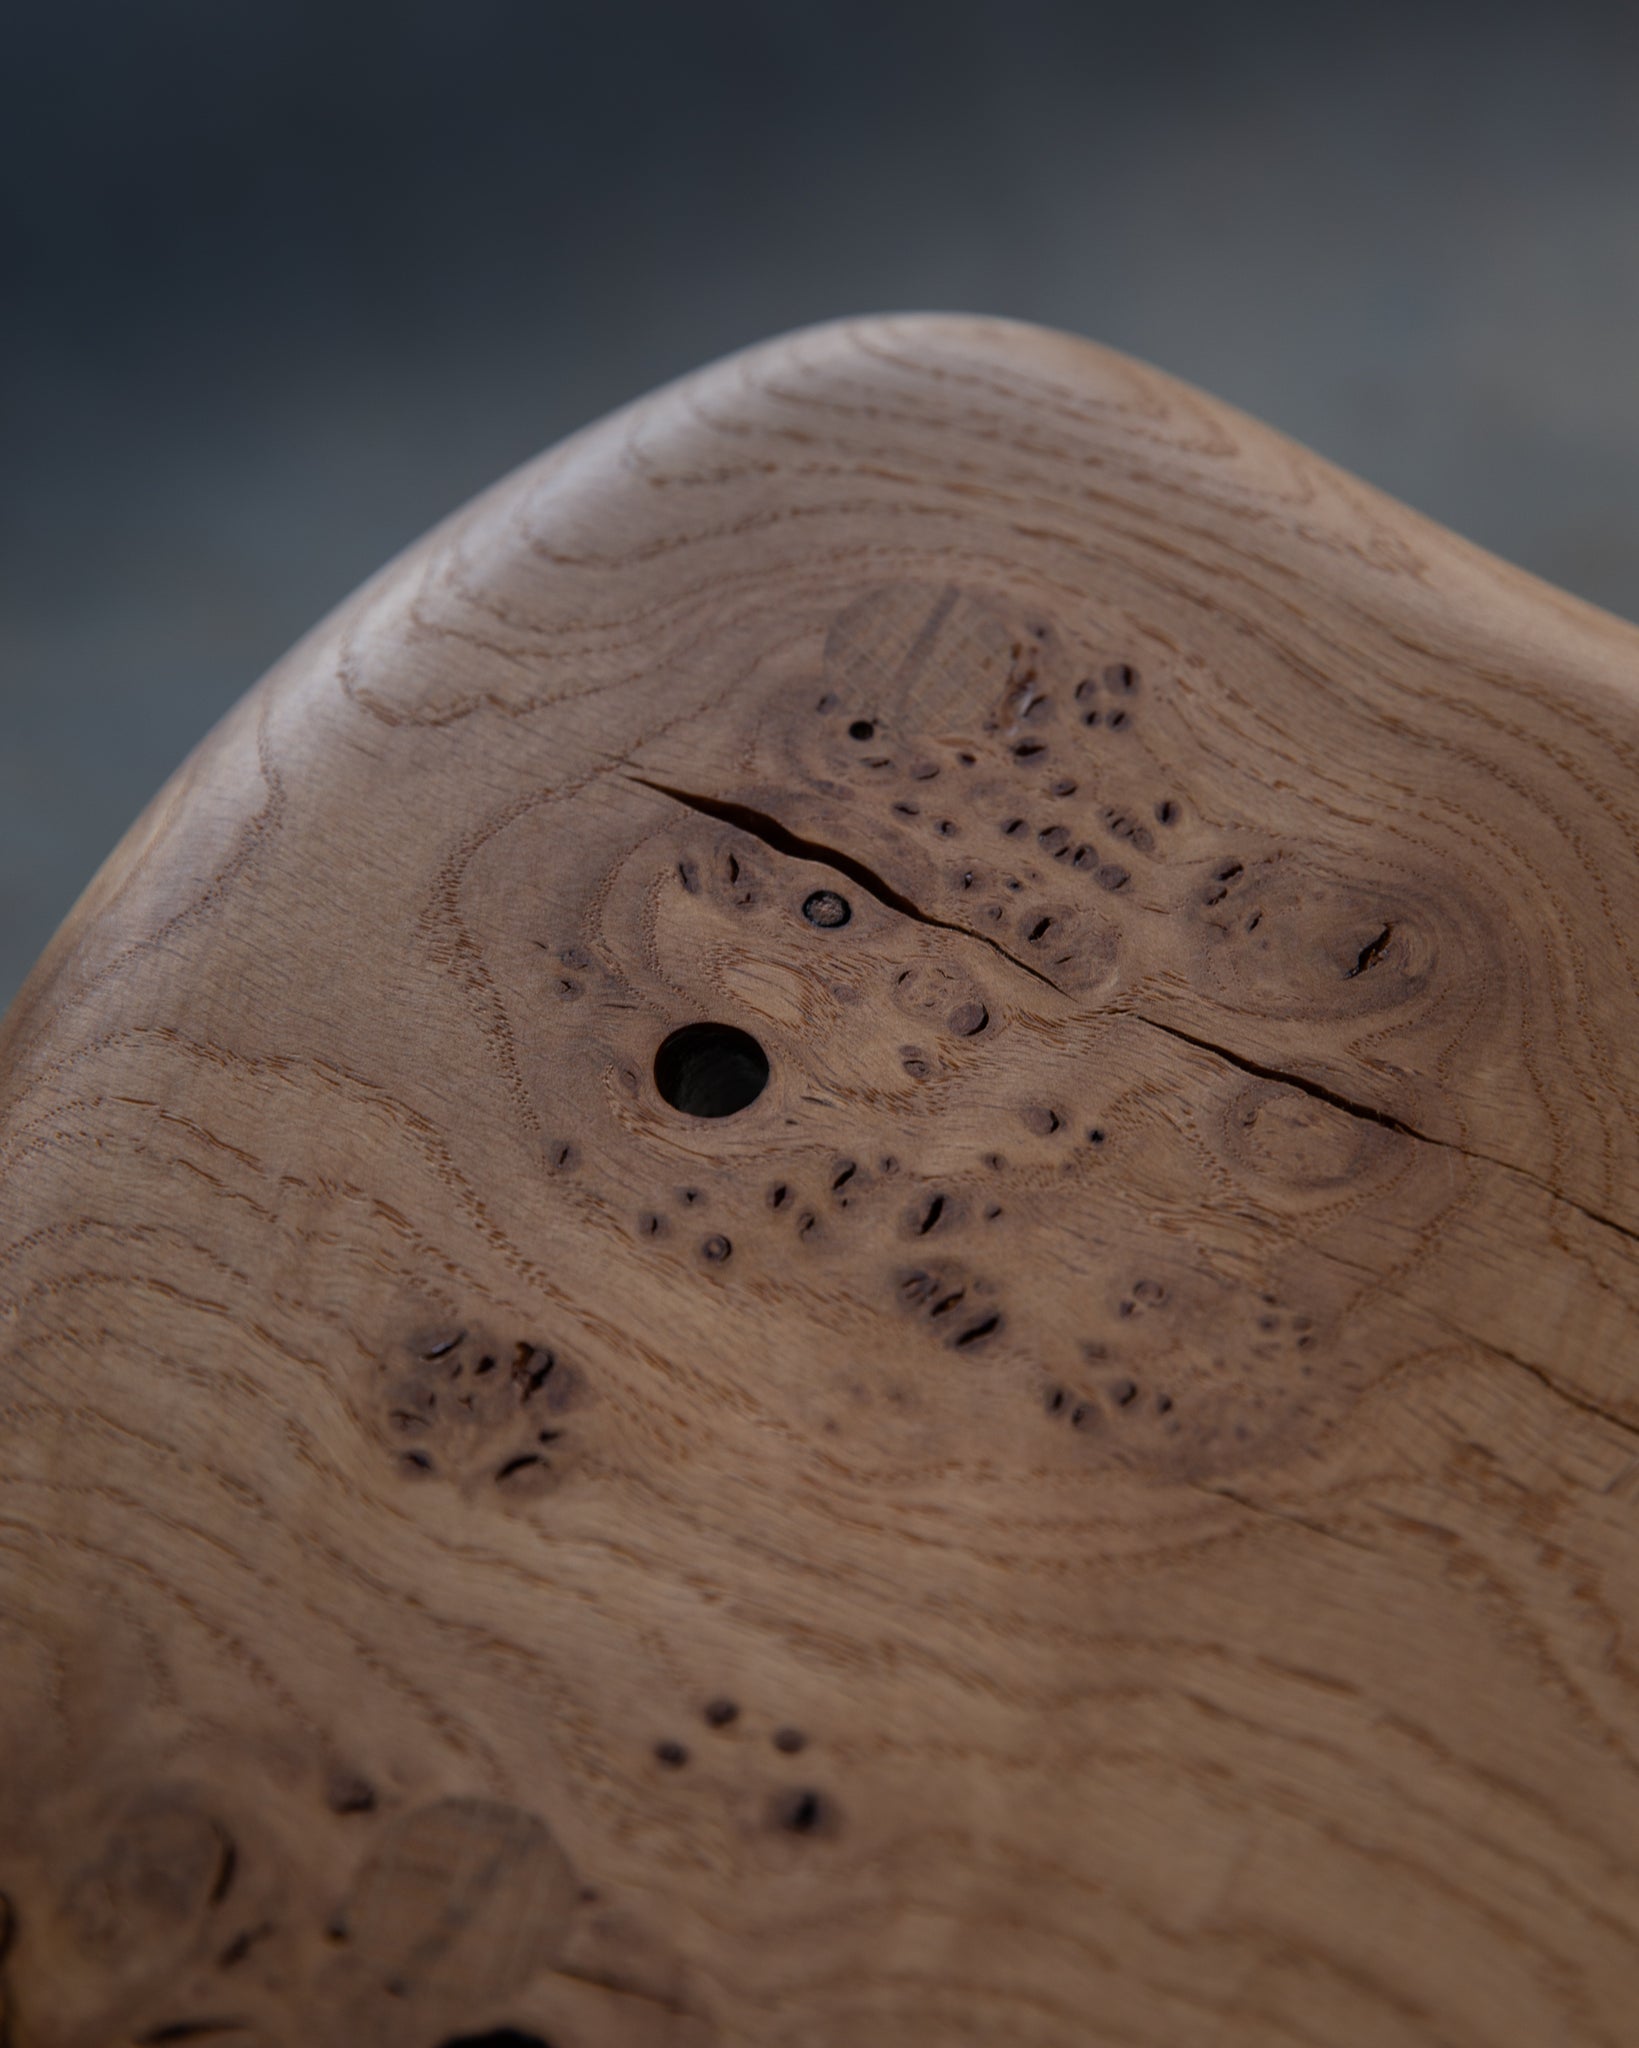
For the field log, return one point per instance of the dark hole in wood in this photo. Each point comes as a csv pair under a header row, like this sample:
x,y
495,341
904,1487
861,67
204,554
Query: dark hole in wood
x,y
497,2037
227,1865
533,1368
802,1812
347,1792
188,2030
242,1944
1370,953
827,909
710,1069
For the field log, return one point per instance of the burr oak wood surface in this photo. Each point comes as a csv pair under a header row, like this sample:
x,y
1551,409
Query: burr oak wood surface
x,y
1099,1509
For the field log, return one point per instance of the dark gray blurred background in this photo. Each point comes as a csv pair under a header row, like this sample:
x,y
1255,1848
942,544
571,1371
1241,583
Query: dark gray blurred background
x,y
284,283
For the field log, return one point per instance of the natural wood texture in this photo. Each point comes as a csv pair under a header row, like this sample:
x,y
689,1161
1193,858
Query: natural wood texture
x,y
1098,1512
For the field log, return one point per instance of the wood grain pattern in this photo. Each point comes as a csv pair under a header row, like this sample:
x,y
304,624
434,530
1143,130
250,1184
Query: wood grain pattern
x,y
1099,1511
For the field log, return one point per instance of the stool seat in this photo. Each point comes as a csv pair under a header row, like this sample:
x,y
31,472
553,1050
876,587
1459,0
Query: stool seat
x,y
837,1242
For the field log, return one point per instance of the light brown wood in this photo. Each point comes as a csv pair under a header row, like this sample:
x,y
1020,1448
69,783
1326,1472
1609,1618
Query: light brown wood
x,y
1099,1511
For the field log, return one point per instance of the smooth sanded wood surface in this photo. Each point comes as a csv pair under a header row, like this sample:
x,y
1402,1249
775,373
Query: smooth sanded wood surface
x,y
1100,1510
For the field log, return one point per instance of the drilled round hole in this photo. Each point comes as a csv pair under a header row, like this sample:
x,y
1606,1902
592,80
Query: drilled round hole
x,y
862,729
710,1069
827,909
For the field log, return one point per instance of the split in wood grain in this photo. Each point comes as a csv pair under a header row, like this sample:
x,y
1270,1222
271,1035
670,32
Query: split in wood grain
x,y
1060,1469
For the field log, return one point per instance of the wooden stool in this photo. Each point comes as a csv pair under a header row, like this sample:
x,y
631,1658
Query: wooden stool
x,y
835,1243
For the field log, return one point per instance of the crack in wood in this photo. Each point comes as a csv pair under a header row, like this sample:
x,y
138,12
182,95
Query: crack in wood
x,y
779,838
1306,1087
1364,1111
1370,953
